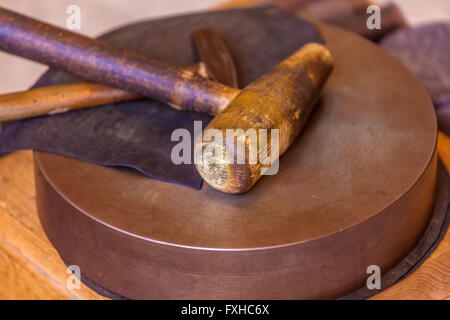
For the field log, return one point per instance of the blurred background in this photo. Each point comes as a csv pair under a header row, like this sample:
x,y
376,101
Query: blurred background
x,y
99,16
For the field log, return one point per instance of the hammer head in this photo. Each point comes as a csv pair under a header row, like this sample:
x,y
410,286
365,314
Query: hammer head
x,y
262,121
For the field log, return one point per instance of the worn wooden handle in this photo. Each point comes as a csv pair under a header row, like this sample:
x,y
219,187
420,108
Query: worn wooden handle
x,y
58,99
62,98
104,63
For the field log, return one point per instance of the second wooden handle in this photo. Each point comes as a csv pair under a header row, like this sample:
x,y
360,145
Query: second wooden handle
x,y
58,99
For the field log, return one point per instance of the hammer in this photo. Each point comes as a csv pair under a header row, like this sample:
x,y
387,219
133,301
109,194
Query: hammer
x,y
281,99
214,61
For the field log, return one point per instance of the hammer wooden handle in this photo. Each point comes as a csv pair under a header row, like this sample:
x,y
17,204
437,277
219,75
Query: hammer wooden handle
x,y
104,63
62,98
58,99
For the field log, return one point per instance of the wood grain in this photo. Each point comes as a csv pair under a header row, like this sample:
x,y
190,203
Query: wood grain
x,y
66,97
443,147
58,99
30,268
21,281
430,281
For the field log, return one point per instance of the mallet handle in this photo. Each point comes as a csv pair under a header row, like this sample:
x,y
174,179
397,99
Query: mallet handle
x,y
58,99
62,98
104,63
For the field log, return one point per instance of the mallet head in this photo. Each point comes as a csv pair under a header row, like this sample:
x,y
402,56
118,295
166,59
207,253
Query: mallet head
x,y
282,99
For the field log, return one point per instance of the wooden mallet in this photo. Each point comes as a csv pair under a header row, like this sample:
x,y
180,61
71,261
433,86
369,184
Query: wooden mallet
x,y
281,99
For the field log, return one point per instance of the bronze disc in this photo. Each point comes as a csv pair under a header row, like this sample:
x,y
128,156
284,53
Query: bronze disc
x,y
356,189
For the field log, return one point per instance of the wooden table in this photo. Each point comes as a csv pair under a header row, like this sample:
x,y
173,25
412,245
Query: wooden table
x,y
30,268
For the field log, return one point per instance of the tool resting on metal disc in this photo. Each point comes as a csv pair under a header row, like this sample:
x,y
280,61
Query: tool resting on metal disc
x,y
281,99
